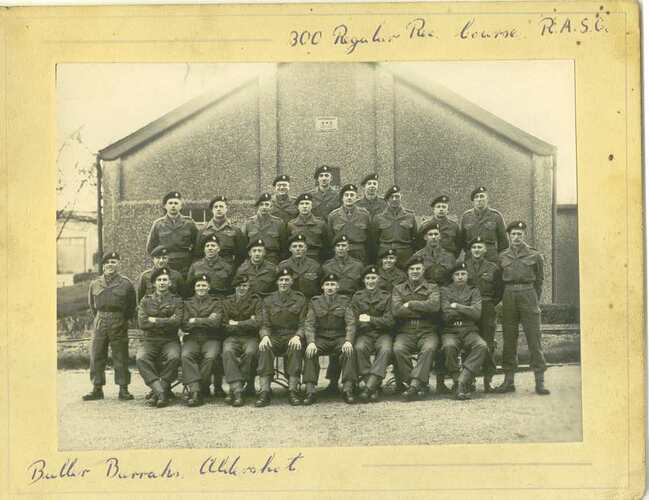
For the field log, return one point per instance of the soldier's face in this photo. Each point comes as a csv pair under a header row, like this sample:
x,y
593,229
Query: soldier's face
x,y
440,209
284,283
371,188
110,266
395,200
478,250
516,236
349,197
282,187
389,261
264,207
297,249
257,254
162,283
160,261
211,249
433,237
242,289
460,277
324,179
342,249
219,209
480,200
201,288
330,287
304,207
173,206
371,281
415,272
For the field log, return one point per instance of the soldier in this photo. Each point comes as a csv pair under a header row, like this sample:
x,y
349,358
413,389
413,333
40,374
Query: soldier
x,y
522,274
461,309
325,197
241,315
449,229
282,334
160,260
231,241
346,267
395,228
329,329
352,221
486,276
202,316
438,262
313,228
218,270
305,272
485,222
374,322
415,307
389,274
371,202
158,358
259,271
111,299
266,227
283,205
174,231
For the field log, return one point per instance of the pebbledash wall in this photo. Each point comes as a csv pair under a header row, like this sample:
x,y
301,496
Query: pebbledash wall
x,y
359,117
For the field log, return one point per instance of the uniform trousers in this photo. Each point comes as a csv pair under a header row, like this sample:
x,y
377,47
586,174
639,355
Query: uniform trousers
x,y
379,344
111,329
520,305
408,342
330,346
487,327
158,358
199,355
467,338
239,357
279,347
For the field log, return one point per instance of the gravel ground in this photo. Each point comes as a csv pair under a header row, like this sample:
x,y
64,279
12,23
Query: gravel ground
x,y
521,417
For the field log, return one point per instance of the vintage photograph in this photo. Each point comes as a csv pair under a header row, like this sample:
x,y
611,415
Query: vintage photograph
x,y
317,254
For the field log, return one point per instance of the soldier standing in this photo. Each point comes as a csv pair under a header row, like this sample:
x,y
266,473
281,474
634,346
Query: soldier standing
x,y
111,299
395,228
260,272
313,228
352,221
347,268
158,358
266,227
389,274
325,197
282,334
450,238
160,260
202,316
438,262
231,241
522,274
373,312
174,231
283,205
305,272
329,329
485,222
371,201
218,270
461,309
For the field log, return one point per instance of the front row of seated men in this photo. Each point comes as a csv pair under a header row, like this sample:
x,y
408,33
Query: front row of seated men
x,y
416,319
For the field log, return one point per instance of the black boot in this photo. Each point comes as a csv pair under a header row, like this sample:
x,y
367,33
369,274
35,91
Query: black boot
x,y
237,399
487,384
440,386
539,378
124,395
263,400
507,385
96,393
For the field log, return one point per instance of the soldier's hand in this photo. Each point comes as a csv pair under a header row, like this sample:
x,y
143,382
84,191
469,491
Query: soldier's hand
x,y
151,319
348,348
406,304
454,304
233,322
311,350
265,343
192,320
364,318
295,343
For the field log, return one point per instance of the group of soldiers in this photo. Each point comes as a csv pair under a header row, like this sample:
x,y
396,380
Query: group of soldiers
x,y
325,273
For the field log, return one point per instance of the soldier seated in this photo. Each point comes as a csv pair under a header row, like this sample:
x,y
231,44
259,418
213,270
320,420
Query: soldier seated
x,y
282,334
461,309
329,330
202,341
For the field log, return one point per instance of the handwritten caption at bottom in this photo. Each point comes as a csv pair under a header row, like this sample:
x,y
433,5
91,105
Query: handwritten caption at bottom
x,y
113,468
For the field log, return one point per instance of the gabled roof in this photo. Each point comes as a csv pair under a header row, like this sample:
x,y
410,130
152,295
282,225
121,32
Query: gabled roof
x,y
434,90
472,111
173,118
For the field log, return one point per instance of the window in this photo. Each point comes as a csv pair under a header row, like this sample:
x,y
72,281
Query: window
x,y
200,215
71,255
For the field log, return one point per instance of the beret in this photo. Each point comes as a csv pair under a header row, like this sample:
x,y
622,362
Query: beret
x,y
159,251
477,239
159,272
369,270
170,195
393,190
341,238
440,199
477,190
240,279
297,237
369,177
330,277
347,187
428,225
281,178
285,271
200,277
109,255
386,252
319,170
460,267
263,197
256,243
214,238
303,197
415,259
217,198
517,224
